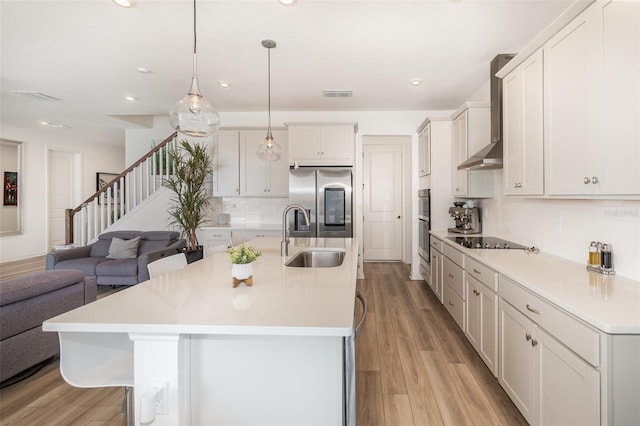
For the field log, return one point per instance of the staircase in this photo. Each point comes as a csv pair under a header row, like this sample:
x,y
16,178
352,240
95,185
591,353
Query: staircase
x,y
119,196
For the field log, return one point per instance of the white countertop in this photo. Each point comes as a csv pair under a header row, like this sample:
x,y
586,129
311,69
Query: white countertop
x,y
199,299
608,303
247,226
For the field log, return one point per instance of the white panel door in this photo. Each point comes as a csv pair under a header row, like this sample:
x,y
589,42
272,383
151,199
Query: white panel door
x,y
60,181
382,202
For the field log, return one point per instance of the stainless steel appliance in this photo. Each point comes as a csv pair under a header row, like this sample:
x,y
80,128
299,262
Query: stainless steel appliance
x,y
486,243
490,157
326,193
467,220
424,224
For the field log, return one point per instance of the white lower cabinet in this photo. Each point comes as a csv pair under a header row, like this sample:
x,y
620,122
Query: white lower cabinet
x,y
517,359
436,273
548,382
568,388
482,321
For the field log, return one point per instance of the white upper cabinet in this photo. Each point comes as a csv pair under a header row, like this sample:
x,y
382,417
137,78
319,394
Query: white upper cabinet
x,y
322,145
261,178
523,128
424,150
239,172
471,132
226,167
592,103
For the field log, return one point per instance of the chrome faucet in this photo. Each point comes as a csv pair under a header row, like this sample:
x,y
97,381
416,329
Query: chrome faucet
x,y
284,245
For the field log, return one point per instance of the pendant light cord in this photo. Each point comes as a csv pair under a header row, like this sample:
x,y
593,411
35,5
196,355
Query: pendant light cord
x,y
194,27
269,87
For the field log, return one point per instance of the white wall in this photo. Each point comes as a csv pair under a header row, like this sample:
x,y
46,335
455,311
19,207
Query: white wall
x,y
96,158
566,227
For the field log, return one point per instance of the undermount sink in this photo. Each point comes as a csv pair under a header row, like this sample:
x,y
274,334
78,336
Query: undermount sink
x,y
317,259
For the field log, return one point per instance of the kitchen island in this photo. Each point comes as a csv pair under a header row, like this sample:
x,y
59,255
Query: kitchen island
x,y
210,354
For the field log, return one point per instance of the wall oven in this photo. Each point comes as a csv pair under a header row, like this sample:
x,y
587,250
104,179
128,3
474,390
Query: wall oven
x,y
424,224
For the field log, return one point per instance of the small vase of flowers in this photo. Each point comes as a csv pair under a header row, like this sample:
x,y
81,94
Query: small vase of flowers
x,y
242,258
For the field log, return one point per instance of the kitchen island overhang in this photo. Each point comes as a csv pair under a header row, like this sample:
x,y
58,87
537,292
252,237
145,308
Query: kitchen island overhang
x,y
273,351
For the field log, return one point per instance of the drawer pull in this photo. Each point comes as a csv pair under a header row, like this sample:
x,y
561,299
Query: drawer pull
x,y
527,336
476,271
450,276
535,311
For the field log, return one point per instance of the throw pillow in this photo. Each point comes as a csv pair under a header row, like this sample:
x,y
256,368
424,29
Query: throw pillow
x,y
123,249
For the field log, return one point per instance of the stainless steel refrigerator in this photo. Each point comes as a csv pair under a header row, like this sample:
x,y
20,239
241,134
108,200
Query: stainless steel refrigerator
x,y
327,194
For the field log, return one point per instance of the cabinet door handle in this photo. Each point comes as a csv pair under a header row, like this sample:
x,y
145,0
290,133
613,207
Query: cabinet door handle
x,y
587,181
476,271
527,336
535,311
534,343
450,276
595,180
451,304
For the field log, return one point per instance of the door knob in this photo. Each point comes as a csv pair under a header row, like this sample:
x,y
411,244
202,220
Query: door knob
x,y
587,180
398,217
595,180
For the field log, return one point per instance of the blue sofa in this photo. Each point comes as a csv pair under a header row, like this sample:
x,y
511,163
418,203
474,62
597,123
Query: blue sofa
x,y
93,261
27,301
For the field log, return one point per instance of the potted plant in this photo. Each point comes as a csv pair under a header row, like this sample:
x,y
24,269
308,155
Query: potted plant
x,y
191,169
242,258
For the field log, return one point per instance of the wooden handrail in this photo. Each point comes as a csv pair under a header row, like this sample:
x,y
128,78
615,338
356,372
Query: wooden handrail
x,y
69,213
108,186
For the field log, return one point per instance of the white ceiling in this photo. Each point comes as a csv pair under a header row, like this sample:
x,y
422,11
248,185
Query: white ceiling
x,y
87,53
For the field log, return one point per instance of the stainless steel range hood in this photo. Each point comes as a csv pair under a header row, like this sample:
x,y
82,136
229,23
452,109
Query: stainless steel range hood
x,y
490,157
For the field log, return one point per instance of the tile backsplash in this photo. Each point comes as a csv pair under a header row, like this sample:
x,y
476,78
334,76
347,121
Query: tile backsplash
x,y
249,210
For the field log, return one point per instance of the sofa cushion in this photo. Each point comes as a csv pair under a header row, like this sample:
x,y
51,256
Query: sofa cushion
x,y
117,268
101,247
28,286
28,313
159,235
84,264
124,249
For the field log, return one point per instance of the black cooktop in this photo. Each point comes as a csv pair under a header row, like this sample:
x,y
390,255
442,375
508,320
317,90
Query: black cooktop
x,y
485,243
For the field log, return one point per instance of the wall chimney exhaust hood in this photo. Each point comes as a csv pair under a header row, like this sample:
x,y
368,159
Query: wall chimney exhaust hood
x,y
490,157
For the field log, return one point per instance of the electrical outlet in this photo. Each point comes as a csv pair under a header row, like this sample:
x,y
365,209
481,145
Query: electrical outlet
x,y
162,396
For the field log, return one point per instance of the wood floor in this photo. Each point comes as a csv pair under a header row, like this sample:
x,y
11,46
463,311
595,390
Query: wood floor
x,y
414,367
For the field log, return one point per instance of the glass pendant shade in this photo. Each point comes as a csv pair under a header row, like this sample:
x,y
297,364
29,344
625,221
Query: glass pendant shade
x,y
269,149
193,115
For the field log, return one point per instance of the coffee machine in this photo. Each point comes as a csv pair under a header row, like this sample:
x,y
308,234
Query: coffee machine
x,y
467,220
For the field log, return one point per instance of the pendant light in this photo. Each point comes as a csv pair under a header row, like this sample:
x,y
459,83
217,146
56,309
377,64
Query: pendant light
x,y
269,150
193,115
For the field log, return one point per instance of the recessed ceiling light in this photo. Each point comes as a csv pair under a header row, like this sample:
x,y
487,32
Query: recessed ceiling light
x,y
224,84
124,3
287,2
131,98
54,125
416,82
144,70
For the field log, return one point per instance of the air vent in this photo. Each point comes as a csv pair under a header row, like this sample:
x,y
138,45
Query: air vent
x,y
337,93
36,95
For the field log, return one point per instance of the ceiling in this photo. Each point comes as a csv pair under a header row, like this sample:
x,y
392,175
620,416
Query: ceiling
x,y
87,54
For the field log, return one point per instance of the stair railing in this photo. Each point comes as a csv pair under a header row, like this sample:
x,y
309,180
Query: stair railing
x,y
119,196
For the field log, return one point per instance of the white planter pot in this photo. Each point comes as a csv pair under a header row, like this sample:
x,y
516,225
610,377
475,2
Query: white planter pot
x,y
242,272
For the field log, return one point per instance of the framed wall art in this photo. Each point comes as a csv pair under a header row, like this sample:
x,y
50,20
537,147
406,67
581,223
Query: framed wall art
x,y
102,179
10,189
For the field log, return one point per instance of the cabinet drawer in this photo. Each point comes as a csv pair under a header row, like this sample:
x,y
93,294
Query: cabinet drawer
x,y
436,244
453,276
455,255
575,334
482,273
454,305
